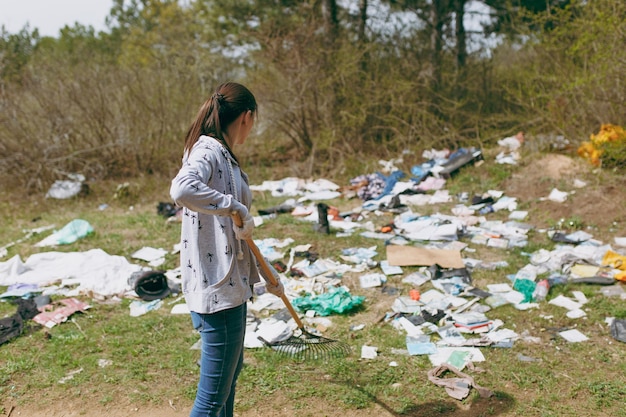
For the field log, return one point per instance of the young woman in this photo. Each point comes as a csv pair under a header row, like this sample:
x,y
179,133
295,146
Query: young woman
x,y
218,269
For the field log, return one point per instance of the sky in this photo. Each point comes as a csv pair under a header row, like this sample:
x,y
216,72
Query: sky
x,y
49,16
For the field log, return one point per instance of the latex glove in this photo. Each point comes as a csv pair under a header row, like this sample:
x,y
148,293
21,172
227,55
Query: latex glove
x,y
245,231
278,290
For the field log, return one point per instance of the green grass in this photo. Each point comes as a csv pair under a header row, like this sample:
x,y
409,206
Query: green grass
x,y
150,356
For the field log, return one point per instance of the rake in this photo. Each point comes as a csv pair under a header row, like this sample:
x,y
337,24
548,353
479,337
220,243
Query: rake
x,y
301,344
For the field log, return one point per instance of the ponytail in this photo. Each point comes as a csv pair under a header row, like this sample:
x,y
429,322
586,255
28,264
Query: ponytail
x,y
219,111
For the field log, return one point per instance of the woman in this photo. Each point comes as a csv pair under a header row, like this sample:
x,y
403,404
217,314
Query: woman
x,y
218,269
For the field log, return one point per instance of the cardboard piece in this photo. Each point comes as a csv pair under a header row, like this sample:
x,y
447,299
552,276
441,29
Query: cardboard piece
x,y
410,255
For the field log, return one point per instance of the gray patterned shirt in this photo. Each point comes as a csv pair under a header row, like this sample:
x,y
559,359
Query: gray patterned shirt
x,y
209,186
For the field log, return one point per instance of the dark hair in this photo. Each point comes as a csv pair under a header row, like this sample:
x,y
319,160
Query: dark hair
x,y
226,104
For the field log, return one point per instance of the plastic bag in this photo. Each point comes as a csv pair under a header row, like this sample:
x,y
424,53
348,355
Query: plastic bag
x,y
336,300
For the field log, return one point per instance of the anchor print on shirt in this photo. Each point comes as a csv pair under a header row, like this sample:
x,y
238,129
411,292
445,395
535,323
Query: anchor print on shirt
x,y
223,228
216,300
209,256
228,250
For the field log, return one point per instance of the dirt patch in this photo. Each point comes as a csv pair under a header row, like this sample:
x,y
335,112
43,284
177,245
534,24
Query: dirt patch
x,y
593,200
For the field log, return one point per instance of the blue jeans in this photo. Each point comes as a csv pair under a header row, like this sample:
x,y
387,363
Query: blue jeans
x,y
221,360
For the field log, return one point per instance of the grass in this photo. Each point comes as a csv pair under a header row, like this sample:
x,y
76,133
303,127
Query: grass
x,y
150,357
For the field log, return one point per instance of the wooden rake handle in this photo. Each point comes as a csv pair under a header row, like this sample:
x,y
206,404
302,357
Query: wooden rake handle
x,y
267,270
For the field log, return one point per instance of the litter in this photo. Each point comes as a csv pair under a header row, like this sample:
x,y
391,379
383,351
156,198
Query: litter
x,y
139,308
336,300
154,257
420,345
565,302
558,196
150,285
457,387
390,269
369,352
410,255
470,354
64,189
573,336
13,326
372,280
70,233
90,272
70,375
50,319
618,329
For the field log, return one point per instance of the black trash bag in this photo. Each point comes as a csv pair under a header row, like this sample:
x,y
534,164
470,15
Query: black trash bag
x,y
323,225
150,285
167,209
618,329
282,208
12,327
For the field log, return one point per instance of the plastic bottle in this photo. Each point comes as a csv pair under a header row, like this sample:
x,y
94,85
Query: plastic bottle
x,y
541,290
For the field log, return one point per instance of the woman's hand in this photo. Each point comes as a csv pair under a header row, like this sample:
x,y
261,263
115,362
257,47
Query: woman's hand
x,y
245,231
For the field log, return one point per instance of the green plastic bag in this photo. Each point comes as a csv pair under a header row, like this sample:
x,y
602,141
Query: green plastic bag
x,y
526,287
336,300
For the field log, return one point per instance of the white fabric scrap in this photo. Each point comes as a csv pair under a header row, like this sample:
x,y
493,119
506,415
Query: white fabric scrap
x,y
94,271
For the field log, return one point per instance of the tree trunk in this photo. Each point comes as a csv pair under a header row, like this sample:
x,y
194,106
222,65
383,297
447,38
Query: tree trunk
x,y
362,20
329,10
437,19
461,41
